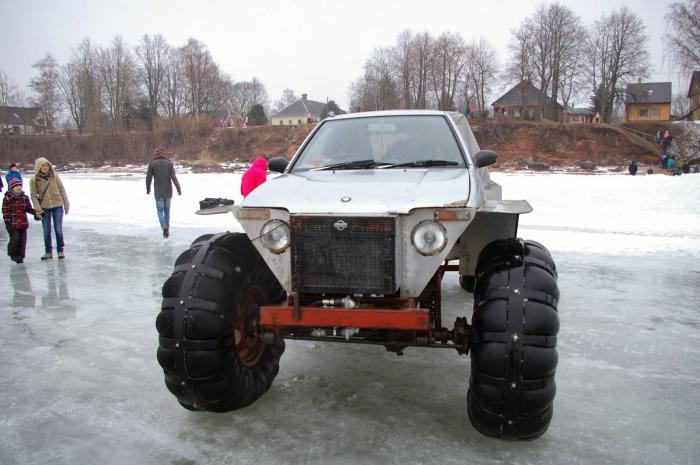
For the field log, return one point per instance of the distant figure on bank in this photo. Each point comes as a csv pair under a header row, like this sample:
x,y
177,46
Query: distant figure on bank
x,y
633,168
254,176
51,203
15,207
650,170
162,172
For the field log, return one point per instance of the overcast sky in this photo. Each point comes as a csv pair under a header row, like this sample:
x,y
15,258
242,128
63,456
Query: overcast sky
x,y
315,47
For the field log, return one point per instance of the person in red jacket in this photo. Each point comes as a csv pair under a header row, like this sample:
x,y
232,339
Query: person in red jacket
x,y
254,176
15,206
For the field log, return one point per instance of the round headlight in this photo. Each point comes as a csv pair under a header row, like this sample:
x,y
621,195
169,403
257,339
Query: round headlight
x,y
429,238
275,236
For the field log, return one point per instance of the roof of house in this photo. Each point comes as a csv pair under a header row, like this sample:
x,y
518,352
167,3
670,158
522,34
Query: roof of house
x,y
694,82
18,116
300,108
648,92
532,96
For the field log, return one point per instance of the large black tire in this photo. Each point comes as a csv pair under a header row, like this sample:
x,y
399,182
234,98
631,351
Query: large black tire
x,y
211,348
513,351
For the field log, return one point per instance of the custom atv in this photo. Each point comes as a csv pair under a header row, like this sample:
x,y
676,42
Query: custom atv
x,y
349,244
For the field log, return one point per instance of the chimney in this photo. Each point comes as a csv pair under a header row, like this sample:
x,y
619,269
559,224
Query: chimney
x,y
303,97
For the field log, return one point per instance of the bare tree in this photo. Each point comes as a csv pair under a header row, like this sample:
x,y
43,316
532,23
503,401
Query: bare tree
x,y
377,89
173,98
249,93
566,33
422,46
617,53
680,105
200,74
117,74
447,63
483,69
288,98
45,87
10,92
520,67
80,87
403,59
152,53
682,39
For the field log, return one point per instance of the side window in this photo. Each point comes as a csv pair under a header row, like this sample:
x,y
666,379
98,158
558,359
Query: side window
x,y
644,113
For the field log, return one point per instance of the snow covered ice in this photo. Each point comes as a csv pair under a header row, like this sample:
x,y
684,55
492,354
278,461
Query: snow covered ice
x,y
80,383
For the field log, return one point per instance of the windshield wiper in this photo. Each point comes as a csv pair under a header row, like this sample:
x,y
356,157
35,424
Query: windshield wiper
x,y
349,165
419,163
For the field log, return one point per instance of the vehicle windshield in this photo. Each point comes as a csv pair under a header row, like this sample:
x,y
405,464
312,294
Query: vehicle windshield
x,y
381,142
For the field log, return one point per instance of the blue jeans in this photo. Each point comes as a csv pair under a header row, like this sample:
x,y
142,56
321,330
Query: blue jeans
x,y
55,214
163,208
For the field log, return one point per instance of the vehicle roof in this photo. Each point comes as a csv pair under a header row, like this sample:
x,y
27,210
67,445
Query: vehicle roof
x,y
366,114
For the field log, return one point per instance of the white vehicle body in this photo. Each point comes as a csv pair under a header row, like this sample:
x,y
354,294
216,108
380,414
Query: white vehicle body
x,y
462,200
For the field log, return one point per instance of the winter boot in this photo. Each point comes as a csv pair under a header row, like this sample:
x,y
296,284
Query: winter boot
x,y
47,256
61,256
165,232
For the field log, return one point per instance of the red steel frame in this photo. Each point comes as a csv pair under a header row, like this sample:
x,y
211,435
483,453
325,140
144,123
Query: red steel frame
x,y
405,318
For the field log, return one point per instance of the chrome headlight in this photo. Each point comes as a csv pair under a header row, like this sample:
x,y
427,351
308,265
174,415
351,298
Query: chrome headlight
x,y
275,236
429,238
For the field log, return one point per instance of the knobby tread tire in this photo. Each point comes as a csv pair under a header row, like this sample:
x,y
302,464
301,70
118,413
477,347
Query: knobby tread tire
x,y
513,351
197,320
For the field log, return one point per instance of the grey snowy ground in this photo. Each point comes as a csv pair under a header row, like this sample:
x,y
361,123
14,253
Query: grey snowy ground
x,y
80,383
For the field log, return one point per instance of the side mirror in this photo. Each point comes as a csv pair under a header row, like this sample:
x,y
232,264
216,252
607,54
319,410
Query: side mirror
x,y
484,158
277,164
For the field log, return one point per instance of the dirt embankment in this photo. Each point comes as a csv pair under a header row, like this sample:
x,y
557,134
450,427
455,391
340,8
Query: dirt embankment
x,y
519,144
540,145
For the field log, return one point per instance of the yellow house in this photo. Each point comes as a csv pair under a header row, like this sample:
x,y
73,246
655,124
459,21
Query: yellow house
x,y
648,101
694,96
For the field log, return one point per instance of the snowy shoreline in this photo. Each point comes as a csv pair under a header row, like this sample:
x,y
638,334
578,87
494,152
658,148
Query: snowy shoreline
x,y
618,215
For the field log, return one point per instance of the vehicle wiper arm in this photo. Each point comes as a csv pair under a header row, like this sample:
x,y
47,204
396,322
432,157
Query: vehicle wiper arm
x,y
425,163
349,165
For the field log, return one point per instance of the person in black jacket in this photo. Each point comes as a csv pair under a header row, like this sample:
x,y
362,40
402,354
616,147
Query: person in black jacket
x,y
162,172
633,168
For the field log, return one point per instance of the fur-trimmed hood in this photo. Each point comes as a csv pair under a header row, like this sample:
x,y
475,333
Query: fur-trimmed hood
x,y
39,162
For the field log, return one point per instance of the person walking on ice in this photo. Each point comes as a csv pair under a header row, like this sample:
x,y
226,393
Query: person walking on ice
x,y
162,172
51,203
15,206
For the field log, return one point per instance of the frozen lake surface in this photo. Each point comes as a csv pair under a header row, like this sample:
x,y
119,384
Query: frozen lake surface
x,y
80,382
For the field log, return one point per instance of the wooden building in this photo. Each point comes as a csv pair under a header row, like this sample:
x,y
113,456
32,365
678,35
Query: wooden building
x,y
524,100
694,96
648,101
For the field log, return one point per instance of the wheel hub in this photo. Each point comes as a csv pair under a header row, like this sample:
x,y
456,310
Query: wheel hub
x,y
247,332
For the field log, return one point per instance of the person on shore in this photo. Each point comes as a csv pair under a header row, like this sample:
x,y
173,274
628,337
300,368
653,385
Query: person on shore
x,y
51,203
15,206
650,170
162,172
13,173
633,168
254,176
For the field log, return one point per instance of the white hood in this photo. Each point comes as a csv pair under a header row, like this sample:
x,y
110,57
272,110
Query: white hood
x,y
370,191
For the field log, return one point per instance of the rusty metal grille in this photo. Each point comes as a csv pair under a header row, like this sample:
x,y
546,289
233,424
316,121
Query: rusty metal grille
x,y
344,255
